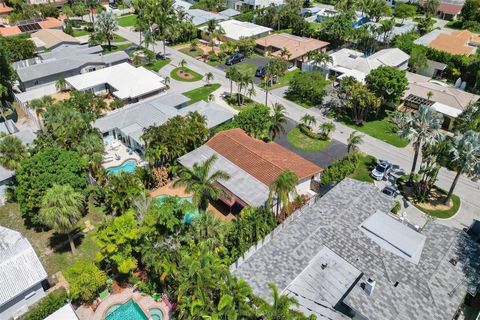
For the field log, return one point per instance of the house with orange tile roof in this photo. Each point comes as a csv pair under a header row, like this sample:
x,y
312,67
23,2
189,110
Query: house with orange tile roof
x,y
461,42
297,47
29,26
252,165
447,9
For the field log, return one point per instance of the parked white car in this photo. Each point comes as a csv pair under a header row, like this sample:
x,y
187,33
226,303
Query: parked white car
x,y
382,170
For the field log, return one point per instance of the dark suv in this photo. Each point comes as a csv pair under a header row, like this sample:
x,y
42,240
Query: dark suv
x,y
234,58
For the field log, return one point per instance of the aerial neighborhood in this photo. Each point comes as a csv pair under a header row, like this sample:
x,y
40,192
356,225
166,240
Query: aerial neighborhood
x,y
239,159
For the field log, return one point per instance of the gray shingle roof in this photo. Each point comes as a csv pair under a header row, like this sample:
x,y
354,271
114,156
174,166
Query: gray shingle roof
x,y
241,183
20,268
431,289
132,119
67,59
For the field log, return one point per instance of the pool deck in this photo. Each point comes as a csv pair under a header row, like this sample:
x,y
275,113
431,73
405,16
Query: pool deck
x,y
120,150
180,192
144,302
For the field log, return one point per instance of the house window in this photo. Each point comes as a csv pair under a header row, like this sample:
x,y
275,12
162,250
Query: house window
x,y
30,295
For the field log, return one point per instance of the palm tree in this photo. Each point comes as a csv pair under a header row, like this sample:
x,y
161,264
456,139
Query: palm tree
x,y
40,106
208,77
466,157
285,53
282,186
232,74
277,120
326,128
251,91
308,120
61,210
4,105
322,58
421,127
200,181
61,85
280,308
183,63
12,152
214,31
353,141
429,95
166,81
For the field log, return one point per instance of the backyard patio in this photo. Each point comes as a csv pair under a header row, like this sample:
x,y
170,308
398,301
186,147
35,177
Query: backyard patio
x,y
117,153
180,192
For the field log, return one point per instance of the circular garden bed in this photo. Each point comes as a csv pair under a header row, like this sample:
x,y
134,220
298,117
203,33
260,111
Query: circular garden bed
x,y
185,74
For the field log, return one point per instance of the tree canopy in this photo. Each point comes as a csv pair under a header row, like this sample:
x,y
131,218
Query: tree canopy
x,y
388,83
41,171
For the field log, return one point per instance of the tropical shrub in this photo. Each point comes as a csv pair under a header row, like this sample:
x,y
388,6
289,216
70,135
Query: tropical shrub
x,y
86,280
307,87
47,305
396,208
339,170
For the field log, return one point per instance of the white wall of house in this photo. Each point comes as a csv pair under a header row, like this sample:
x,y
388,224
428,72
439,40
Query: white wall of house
x,y
20,304
304,186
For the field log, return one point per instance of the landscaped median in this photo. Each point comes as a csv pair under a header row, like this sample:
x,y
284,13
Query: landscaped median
x,y
157,64
185,74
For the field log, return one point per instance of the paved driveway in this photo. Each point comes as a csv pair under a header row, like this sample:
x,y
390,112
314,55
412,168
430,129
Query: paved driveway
x,y
256,61
335,151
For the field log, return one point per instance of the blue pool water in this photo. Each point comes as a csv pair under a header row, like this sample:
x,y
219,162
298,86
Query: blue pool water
x,y
129,310
156,314
189,216
128,166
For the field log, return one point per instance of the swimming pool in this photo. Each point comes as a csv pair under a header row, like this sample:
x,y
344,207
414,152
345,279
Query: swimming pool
x,y
129,310
128,166
187,219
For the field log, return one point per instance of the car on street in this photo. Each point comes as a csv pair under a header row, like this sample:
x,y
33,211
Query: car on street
x,y
382,170
234,58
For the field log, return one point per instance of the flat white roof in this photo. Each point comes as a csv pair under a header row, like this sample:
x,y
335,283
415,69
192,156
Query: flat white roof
x,y
235,29
64,313
127,81
446,110
393,236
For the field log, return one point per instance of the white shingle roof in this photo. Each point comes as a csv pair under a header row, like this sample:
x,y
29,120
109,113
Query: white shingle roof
x,y
20,267
235,29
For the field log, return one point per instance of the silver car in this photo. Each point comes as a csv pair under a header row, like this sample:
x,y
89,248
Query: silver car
x,y
382,170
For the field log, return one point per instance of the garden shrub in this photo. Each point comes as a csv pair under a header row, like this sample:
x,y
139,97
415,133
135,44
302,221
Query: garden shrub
x,y
86,280
396,208
308,132
48,305
339,170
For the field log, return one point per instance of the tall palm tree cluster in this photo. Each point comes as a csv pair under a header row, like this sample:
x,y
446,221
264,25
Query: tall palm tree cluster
x,y
158,20
422,128
244,83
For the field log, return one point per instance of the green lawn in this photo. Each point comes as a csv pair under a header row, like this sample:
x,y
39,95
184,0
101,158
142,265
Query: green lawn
x,y
297,139
41,241
364,167
117,38
157,64
197,52
80,32
297,101
115,48
201,93
315,25
283,80
127,21
382,129
196,76
247,69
